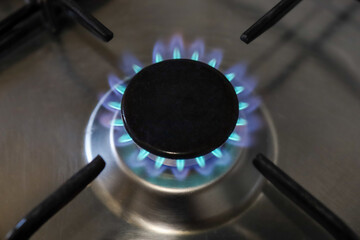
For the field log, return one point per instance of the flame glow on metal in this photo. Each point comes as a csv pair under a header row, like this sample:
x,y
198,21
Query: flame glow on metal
x,y
180,168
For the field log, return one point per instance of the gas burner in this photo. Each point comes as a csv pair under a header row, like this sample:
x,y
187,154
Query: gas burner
x,y
177,126
183,115
179,109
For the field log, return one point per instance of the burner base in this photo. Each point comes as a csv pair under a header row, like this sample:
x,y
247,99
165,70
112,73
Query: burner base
x,y
181,209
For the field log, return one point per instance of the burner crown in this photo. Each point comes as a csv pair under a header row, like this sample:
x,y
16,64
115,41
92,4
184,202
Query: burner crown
x,y
179,109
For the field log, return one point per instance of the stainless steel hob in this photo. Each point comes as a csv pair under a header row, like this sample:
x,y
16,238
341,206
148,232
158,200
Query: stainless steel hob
x,y
307,74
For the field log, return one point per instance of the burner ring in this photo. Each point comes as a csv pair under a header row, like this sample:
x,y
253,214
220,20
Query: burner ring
x,y
135,175
179,109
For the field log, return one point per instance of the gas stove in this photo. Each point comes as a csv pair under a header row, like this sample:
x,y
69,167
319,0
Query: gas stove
x,y
179,131
179,119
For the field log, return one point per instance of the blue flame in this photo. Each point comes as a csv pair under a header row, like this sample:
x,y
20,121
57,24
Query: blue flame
x,y
195,56
115,105
230,76
142,154
154,170
158,52
200,161
243,105
177,47
125,138
180,175
120,89
197,50
252,104
212,62
176,53
217,153
234,137
181,168
131,65
158,58
207,169
214,58
114,80
239,89
180,164
136,68
236,72
118,123
241,122
159,162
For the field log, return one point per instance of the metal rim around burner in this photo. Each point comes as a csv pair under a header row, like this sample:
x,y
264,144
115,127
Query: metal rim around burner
x,y
171,195
134,198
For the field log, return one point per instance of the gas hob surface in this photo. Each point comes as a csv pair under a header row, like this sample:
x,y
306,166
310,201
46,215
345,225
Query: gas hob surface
x,y
308,79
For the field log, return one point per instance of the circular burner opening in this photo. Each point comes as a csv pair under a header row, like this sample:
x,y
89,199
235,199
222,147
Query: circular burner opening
x,y
147,163
179,109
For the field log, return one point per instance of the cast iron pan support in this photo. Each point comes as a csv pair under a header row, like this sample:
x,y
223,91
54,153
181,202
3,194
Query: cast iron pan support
x,y
286,185
268,20
38,13
29,224
308,203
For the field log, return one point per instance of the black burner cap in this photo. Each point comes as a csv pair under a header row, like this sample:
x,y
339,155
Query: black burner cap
x,y
179,109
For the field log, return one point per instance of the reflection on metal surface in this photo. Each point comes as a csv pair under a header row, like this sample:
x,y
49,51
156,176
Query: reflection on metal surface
x,y
47,94
168,209
167,202
180,173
